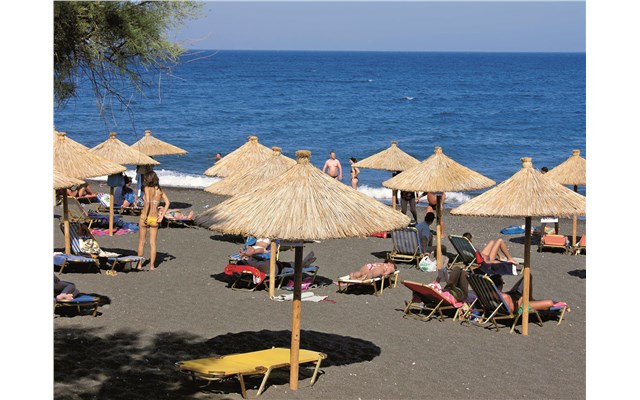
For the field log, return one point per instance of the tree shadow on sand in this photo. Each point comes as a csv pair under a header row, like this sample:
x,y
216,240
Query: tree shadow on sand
x,y
88,364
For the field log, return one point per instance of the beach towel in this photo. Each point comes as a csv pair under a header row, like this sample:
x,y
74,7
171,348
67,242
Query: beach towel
x,y
512,230
258,276
307,296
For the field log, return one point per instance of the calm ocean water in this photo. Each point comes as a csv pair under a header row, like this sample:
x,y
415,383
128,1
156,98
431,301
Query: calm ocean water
x,y
486,110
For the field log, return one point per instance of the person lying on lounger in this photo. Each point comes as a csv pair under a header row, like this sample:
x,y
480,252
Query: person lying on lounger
x,y
514,297
490,252
373,270
63,290
176,214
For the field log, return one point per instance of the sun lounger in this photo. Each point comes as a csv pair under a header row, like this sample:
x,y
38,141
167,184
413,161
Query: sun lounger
x,y
581,245
84,244
427,301
344,282
79,302
554,242
250,278
62,260
105,204
492,306
170,219
260,362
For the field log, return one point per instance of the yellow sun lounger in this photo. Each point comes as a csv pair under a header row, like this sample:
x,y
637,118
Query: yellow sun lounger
x,y
260,362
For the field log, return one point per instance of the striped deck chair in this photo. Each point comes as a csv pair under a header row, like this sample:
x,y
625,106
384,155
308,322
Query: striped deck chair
x,y
105,199
84,244
466,252
260,362
406,246
492,306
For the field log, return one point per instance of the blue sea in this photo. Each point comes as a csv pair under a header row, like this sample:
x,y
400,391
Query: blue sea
x,y
486,110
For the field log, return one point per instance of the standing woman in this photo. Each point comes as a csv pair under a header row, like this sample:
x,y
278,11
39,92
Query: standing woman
x,y
355,171
150,217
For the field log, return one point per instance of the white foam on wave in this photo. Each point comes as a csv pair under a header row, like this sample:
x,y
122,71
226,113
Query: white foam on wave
x,y
452,199
170,178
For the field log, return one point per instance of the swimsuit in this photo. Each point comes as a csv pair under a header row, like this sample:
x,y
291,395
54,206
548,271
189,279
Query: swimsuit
x,y
151,222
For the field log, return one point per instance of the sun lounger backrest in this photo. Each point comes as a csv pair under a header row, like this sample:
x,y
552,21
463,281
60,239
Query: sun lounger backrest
x,y
406,241
425,291
464,247
74,232
488,294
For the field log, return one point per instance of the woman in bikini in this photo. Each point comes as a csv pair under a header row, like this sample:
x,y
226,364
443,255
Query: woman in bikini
x,y
355,171
151,216
373,270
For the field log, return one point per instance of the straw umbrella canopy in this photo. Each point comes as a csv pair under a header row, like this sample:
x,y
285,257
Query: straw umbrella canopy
x,y
238,160
153,146
438,174
61,181
74,160
573,171
301,204
245,181
390,159
528,193
119,152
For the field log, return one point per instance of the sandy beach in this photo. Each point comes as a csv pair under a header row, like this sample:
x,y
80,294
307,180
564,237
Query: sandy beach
x,y
185,310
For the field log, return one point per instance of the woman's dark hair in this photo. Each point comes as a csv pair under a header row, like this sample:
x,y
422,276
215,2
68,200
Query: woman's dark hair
x,y
467,235
497,280
354,159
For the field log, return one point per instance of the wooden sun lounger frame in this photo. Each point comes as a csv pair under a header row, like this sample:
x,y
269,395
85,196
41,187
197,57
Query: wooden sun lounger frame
x,y
400,238
211,376
488,312
392,278
566,248
246,277
441,305
94,303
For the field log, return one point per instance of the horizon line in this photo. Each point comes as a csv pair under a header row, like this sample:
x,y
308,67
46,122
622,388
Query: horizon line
x,y
401,51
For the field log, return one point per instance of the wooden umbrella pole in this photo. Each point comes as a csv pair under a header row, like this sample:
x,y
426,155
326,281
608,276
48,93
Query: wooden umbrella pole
x,y
295,321
111,199
575,224
526,276
394,193
272,270
67,239
438,233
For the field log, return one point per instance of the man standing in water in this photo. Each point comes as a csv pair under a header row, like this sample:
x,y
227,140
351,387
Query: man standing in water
x,y
332,166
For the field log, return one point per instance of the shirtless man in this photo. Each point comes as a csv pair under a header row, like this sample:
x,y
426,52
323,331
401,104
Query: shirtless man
x,y
333,166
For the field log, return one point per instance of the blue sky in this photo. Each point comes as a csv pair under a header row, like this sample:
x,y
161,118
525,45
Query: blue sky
x,y
389,26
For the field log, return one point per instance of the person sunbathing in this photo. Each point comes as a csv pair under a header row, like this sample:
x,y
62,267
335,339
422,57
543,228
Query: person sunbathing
x,y
176,214
490,252
373,270
514,297
261,246
63,290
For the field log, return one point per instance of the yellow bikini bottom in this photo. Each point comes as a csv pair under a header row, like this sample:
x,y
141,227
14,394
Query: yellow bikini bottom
x,y
151,222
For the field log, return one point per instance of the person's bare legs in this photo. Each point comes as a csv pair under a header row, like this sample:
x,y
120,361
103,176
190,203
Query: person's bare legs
x,y
153,234
502,246
487,251
142,237
491,250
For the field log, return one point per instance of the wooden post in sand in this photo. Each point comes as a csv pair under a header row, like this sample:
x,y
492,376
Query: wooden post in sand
x,y
272,270
394,193
575,224
438,232
526,276
295,321
65,208
111,199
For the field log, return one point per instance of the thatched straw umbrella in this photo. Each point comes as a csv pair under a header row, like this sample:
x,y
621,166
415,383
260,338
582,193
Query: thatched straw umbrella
x,y
301,204
119,152
153,146
238,160
438,174
391,159
76,161
245,181
61,181
528,193
573,171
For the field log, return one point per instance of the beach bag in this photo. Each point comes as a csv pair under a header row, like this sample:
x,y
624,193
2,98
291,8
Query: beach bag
x,y
428,263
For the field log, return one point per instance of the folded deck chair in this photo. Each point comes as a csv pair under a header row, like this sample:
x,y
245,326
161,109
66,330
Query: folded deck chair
x,y
260,362
491,305
554,242
251,278
581,245
79,302
406,246
84,244
373,282
62,260
427,300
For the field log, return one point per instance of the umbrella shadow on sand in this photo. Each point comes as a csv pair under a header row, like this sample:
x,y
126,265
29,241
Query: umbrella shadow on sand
x,y
91,364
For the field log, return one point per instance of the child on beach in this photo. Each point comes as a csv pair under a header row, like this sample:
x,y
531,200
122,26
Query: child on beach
x,y
151,217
